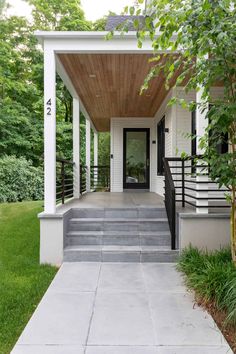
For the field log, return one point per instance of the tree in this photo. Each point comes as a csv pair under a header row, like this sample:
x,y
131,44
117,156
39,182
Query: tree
x,y
20,121
21,80
55,15
200,34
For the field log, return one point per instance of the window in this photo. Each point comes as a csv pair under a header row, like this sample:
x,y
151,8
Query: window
x,y
221,148
160,146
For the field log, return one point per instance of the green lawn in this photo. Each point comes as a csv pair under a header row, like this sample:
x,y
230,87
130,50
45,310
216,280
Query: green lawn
x,y
22,280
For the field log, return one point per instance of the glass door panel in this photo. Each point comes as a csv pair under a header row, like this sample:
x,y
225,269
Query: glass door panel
x,y
136,158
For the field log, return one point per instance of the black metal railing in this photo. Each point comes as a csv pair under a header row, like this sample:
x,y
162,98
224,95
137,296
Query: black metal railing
x,y
100,178
83,178
187,181
64,180
170,202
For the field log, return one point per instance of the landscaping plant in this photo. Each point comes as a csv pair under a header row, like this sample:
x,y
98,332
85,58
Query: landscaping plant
x,y
213,277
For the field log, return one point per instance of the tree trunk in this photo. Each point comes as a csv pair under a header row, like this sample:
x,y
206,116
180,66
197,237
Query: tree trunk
x,y
233,229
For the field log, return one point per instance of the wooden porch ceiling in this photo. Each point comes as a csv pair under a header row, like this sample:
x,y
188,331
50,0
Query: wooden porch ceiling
x,y
109,85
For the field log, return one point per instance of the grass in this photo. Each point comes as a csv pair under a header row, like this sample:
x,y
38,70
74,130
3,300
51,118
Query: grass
x,y
213,277
22,280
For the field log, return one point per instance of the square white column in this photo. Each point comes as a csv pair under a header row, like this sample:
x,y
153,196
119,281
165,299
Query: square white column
x,y
202,188
76,148
88,153
49,131
95,148
95,144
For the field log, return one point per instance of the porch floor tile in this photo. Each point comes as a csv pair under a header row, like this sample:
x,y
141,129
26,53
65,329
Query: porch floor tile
x,y
114,200
115,308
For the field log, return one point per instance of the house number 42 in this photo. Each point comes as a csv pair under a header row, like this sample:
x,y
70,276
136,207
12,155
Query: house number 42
x,y
49,108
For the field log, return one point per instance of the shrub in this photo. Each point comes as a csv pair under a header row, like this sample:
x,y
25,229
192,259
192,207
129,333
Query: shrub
x,y
19,180
213,276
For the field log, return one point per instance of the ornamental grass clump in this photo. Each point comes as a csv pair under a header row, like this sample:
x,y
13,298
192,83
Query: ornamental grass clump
x,y
213,276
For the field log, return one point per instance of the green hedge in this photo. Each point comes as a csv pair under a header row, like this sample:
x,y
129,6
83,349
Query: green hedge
x,y
19,180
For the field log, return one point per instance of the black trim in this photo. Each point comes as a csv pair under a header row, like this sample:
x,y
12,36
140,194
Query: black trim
x,y
137,185
193,133
160,146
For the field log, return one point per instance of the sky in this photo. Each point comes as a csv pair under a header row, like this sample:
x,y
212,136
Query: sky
x,y
93,9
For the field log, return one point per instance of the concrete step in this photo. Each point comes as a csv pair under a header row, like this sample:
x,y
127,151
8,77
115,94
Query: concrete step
x,y
99,253
118,224
138,212
122,238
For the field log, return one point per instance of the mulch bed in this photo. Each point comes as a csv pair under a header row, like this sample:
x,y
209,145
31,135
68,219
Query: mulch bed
x,y
219,316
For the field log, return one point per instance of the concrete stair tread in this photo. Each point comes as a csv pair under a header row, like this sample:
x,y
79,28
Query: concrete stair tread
x,y
85,233
125,220
99,248
118,233
135,254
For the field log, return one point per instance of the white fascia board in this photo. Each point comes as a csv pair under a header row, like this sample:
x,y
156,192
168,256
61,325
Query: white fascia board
x,y
94,42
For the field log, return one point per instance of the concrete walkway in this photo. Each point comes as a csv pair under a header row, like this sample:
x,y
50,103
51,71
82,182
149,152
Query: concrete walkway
x,y
119,308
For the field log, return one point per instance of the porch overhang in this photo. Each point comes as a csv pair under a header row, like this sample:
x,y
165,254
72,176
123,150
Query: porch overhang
x,y
106,76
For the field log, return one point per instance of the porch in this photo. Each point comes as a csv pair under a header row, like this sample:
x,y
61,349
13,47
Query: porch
x,y
104,80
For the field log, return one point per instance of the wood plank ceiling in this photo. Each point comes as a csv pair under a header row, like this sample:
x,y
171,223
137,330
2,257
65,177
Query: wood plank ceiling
x,y
109,85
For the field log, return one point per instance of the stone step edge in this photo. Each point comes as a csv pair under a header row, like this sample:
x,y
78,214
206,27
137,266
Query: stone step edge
x,y
117,220
120,249
118,233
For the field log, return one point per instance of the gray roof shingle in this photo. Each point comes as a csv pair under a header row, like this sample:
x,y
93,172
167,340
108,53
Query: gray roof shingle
x,y
115,20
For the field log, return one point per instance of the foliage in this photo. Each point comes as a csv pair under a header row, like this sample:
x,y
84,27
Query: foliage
x,y
57,15
22,280
200,35
100,24
104,149
213,277
19,180
21,81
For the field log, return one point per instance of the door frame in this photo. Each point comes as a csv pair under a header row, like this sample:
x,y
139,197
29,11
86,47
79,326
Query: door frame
x,y
136,185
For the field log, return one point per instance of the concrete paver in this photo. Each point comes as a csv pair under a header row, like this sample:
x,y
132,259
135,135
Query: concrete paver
x,y
120,308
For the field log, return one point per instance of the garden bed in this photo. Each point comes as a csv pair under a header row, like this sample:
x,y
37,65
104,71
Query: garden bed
x,y
213,278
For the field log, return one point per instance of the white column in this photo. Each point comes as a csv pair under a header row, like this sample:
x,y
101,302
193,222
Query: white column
x,y
95,148
49,131
201,125
88,145
76,148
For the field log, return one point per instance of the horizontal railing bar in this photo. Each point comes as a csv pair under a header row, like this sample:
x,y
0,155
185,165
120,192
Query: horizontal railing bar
x,y
69,162
204,198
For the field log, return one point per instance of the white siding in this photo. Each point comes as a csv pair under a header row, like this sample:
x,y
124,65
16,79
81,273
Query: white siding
x,y
169,113
183,123
117,127
178,121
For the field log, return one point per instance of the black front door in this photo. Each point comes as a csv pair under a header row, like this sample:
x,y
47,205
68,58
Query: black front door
x,y
136,158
